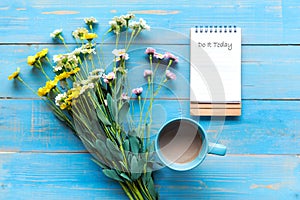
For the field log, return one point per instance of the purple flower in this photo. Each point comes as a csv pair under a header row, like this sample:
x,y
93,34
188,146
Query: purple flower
x,y
109,77
124,96
159,56
168,55
150,50
148,72
137,91
170,75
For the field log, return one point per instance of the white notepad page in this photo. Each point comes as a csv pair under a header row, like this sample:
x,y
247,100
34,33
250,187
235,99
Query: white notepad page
x,y
215,60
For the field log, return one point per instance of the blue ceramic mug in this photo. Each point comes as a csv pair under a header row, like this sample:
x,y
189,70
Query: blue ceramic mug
x,y
181,144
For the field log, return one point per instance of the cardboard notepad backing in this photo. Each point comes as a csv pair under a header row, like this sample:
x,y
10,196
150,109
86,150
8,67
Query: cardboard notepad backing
x,y
215,75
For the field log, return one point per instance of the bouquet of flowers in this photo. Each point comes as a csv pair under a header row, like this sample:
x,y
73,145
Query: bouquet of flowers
x,y
97,103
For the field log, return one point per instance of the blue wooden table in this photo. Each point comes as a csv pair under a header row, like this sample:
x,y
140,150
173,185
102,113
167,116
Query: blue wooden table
x,y
41,159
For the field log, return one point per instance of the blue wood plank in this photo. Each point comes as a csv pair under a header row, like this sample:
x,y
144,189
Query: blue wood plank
x,y
265,127
234,177
75,176
263,22
263,68
263,144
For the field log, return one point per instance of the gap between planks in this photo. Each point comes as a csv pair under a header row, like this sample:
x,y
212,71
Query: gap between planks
x,y
87,152
165,98
135,43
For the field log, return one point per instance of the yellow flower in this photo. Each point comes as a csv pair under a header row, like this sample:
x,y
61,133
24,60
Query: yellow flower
x,y
47,88
63,106
77,69
65,75
90,36
75,94
42,91
62,76
42,53
50,84
15,74
31,60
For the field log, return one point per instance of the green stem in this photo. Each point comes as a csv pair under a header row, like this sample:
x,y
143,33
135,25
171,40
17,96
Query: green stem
x,y
126,191
132,189
141,116
163,79
63,41
50,103
101,52
48,61
86,66
117,40
149,110
130,40
40,66
138,192
144,189
92,61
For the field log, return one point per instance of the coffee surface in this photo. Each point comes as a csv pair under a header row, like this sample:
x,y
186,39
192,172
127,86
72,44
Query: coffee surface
x,y
180,141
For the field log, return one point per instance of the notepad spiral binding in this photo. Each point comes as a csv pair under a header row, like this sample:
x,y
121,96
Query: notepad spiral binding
x,y
215,29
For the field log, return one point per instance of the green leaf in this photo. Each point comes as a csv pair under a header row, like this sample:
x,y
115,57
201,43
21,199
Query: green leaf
x,y
145,178
99,163
128,156
134,144
148,182
101,135
118,137
59,117
132,132
112,106
151,151
151,147
119,84
114,149
102,117
151,188
83,119
135,168
123,112
102,149
86,141
134,164
112,174
123,175
123,165
126,145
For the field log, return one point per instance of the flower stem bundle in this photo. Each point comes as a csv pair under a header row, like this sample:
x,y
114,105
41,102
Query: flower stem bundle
x,y
95,102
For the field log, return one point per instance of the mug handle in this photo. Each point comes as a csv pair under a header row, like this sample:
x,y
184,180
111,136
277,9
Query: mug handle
x,y
217,149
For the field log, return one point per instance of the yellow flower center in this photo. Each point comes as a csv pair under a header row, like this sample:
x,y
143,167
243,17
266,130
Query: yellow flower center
x,y
90,36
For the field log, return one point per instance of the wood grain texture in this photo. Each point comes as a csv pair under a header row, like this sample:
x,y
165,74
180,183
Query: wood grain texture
x,y
75,176
215,109
265,127
263,22
41,159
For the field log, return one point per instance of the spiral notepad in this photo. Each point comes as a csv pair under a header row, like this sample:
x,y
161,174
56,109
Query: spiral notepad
x,y
215,75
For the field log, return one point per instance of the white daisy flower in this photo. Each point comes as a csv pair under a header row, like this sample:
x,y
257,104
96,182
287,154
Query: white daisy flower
x,y
56,33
